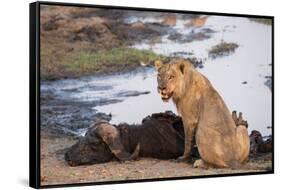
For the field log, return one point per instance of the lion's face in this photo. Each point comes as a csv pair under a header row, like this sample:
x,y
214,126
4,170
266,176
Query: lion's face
x,y
169,79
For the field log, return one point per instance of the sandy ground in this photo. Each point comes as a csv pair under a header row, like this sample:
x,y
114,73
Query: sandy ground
x,y
54,170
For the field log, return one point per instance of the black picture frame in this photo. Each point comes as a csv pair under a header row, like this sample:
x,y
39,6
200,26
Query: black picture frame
x,y
34,92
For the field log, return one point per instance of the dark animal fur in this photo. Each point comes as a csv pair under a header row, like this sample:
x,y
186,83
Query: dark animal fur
x,y
159,136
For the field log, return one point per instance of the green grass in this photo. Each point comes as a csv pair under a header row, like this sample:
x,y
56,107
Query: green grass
x,y
100,62
109,59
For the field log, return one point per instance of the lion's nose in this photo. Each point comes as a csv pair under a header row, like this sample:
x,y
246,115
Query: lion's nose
x,y
161,88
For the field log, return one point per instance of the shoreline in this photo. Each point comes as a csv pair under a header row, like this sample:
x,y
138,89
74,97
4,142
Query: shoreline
x,y
54,170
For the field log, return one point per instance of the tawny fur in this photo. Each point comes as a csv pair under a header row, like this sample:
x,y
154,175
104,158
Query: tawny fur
x,y
203,111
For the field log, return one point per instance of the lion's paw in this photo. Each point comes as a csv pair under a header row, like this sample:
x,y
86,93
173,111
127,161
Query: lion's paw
x,y
200,164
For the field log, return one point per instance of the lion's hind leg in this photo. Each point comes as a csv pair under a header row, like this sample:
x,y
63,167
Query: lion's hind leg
x,y
243,143
242,137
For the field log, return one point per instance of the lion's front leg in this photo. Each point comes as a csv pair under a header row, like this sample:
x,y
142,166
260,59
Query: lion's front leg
x,y
188,131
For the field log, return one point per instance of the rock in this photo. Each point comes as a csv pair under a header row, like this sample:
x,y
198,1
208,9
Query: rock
x,y
170,20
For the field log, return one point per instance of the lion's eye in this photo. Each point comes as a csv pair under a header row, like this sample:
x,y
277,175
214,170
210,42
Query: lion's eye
x,y
170,77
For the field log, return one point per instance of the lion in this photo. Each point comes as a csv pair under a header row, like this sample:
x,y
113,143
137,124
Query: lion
x,y
205,116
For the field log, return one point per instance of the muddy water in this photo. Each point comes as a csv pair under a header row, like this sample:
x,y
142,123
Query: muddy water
x,y
132,96
251,63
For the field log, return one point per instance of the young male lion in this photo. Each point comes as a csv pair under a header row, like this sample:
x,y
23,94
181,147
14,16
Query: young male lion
x,y
204,114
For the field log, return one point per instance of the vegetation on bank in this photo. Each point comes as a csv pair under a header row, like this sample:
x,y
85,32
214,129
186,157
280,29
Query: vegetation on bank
x,y
100,62
265,21
222,49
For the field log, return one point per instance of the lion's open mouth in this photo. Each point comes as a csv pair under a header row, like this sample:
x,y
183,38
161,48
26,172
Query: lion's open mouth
x,y
166,97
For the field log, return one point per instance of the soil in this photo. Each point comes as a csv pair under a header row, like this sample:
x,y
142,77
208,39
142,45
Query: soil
x,y
54,169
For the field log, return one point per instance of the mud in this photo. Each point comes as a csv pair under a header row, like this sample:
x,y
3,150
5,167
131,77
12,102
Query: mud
x,y
105,28
64,115
65,118
194,35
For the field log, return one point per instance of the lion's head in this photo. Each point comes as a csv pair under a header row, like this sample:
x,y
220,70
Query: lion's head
x,y
170,78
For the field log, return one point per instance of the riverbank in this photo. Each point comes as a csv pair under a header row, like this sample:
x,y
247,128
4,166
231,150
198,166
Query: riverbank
x,y
54,169
77,42
80,41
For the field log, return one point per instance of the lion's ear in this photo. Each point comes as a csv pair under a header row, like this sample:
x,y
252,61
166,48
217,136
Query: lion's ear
x,y
158,64
182,67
